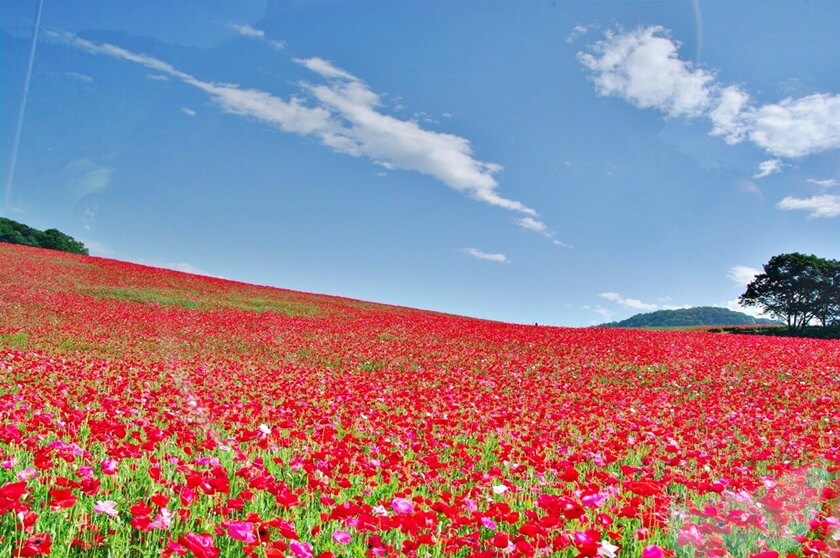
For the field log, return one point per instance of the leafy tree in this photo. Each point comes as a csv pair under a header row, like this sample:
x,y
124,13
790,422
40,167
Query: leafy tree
x,y
18,233
796,288
828,308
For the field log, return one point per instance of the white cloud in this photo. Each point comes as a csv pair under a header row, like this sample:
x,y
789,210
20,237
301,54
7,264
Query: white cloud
x,y
576,32
325,69
343,114
825,183
531,224
486,256
188,111
753,311
643,68
157,77
726,116
633,303
605,314
824,206
248,31
537,226
359,129
80,77
254,33
742,274
766,168
797,127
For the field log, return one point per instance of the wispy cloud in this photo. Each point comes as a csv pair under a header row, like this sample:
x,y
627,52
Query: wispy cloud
x,y
742,274
577,31
248,31
531,224
343,113
359,128
537,226
254,33
735,306
825,206
79,77
324,68
605,313
633,303
825,182
157,77
188,111
643,67
486,256
766,168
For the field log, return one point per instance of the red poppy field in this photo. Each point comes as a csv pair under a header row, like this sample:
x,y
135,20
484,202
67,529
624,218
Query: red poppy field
x,y
146,412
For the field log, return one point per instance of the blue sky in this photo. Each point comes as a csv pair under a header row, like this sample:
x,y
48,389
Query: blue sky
x,y
555,162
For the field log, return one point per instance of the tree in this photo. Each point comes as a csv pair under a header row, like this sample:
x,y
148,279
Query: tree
x,y
828,308
57,240
18,233
797,288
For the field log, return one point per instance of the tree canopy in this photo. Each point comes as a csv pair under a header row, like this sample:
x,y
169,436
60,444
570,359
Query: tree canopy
x,y
18,233
797,288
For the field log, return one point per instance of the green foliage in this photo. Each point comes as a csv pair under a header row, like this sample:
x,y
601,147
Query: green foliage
x,y
18,233
797,288
686,317
199,301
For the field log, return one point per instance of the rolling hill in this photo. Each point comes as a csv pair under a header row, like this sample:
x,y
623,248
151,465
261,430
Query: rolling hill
x,y
685,317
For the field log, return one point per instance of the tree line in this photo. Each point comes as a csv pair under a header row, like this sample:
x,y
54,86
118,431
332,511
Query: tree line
x,y
53,239
799,289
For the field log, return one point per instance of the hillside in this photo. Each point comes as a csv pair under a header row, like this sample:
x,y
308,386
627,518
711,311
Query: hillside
x,y
148,412
684,317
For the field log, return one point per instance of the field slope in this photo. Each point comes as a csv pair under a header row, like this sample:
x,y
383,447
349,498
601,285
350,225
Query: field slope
x,y
147,412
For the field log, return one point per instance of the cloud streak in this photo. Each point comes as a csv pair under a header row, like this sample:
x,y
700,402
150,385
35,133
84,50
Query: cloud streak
x,y
345,114
633,303
636,304
537,226
643,68
10,175
486,256
249,32
742,274
766,168
824,183
818,207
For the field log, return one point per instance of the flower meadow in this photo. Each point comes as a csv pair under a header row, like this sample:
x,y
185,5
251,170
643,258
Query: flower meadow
x,y
147,412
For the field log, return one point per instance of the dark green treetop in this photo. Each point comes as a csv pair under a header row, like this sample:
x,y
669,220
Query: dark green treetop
x,y
797,288
18,233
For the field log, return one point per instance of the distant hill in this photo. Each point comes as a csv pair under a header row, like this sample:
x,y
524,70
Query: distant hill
x,y
698,316
54,239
